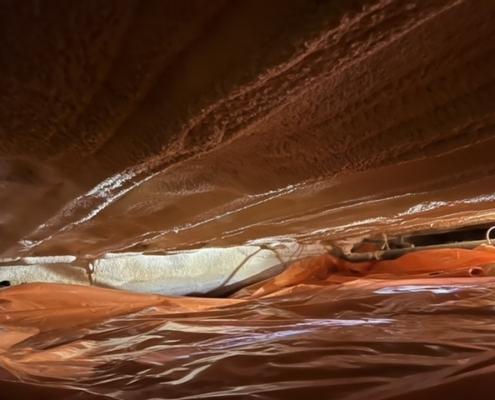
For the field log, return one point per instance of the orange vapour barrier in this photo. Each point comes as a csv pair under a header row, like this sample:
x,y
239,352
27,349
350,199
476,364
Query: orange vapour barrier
x,y
419,326
327,269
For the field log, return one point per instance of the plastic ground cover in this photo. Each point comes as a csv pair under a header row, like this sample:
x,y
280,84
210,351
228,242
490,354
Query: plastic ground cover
x,y
421,326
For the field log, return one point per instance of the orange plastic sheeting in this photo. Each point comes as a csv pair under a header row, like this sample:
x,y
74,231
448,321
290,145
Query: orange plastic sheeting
x,y
419,325
57,306
437,261
326,269
32,310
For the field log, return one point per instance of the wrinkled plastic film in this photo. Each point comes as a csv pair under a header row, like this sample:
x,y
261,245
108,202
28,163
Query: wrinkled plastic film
x,y
417,327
